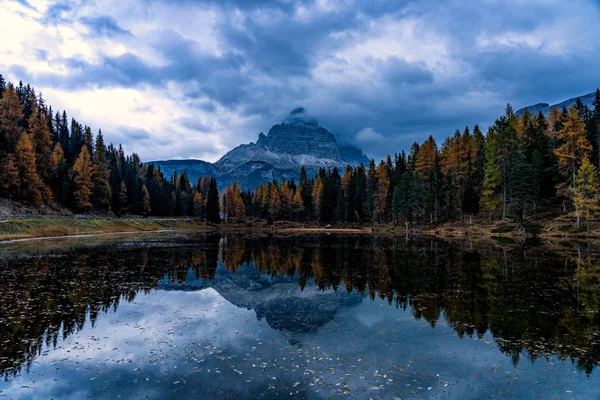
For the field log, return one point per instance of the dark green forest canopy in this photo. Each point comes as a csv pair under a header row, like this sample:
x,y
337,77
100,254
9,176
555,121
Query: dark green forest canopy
x,y
521,165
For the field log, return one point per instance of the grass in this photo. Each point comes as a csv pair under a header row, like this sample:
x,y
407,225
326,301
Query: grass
x,y
55,227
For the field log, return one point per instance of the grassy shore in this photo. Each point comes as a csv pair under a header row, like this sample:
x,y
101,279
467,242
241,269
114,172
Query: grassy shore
x,y
23,228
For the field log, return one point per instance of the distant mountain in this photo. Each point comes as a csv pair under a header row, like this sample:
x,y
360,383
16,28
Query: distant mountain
x,y
252,173
298,141
194,168
545,107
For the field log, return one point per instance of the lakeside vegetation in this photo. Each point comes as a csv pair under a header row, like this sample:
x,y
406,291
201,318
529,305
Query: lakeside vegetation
x,y
534,170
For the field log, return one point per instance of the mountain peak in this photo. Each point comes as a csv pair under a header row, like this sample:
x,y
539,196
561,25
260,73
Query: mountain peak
x,y
299,116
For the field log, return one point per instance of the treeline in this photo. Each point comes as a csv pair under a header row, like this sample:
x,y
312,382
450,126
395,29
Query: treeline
x,y
522,163
47,159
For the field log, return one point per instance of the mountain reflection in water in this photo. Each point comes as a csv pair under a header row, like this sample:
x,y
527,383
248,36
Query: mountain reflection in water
x,y
535,303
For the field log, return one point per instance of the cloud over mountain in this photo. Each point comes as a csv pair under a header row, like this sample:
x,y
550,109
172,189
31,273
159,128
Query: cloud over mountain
x,y
201,77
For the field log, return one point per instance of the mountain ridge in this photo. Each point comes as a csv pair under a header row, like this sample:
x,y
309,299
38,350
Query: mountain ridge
x,y
545,108
296,142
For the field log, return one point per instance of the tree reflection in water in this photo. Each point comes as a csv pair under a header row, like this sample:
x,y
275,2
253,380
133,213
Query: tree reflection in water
x,y
533,301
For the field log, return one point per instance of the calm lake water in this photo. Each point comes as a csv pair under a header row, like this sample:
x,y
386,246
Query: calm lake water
x,y
313,317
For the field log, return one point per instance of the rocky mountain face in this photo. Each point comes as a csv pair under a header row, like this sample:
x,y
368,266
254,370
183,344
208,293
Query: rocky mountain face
x,y
545,107
298,141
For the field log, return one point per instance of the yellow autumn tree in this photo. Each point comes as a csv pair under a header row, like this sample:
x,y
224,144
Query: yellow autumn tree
x,y
9,176
82,180
11,114
31,187
574,148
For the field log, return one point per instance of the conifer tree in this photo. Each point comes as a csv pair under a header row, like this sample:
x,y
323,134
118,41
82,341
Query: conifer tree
x,y
381,192
574,148
491,199
102,190
11,115
586,192
145,201
318,195
42,139
31,187
396,203
59,182
83,181
371,187
212,203
199,207
123,197
9,176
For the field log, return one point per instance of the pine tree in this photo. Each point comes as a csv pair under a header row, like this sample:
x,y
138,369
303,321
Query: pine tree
x,y
42,139
145,201
9,176
82,181
491,199
123,200
31,187
212,203
58,175
199,206
11,115
574,148
396,203
370,192
102,191
382,187
318,195
586,192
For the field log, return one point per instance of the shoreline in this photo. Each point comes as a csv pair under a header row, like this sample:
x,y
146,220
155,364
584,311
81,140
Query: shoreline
x,y
13,229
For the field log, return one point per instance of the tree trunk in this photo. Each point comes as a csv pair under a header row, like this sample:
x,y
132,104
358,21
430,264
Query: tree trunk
x,y
470,219
504,204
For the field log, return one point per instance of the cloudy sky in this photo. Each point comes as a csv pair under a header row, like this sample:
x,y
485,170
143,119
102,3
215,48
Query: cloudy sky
x,y
194,78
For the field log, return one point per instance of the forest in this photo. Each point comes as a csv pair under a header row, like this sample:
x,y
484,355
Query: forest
x,y
523,165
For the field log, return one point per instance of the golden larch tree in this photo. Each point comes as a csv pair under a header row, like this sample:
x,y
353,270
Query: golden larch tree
x,y
31,187
574,148
82,180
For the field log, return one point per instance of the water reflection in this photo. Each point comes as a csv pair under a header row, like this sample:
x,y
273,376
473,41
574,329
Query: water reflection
x,y
534,302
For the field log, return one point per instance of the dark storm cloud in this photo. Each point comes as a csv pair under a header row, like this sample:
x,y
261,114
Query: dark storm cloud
x,y
271,57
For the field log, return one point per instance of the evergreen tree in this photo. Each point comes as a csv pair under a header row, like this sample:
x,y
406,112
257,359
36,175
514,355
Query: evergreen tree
x,y
586,192
212,203
82,181
31,187
9,176
42,139
145,195
123,200
574,148
11,115
102,190
382,185
199,206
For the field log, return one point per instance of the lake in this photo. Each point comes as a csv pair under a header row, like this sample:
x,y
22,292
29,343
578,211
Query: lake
x,y
311,317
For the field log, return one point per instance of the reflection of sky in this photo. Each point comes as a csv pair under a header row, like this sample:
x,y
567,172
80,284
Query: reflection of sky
x,y
197,344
